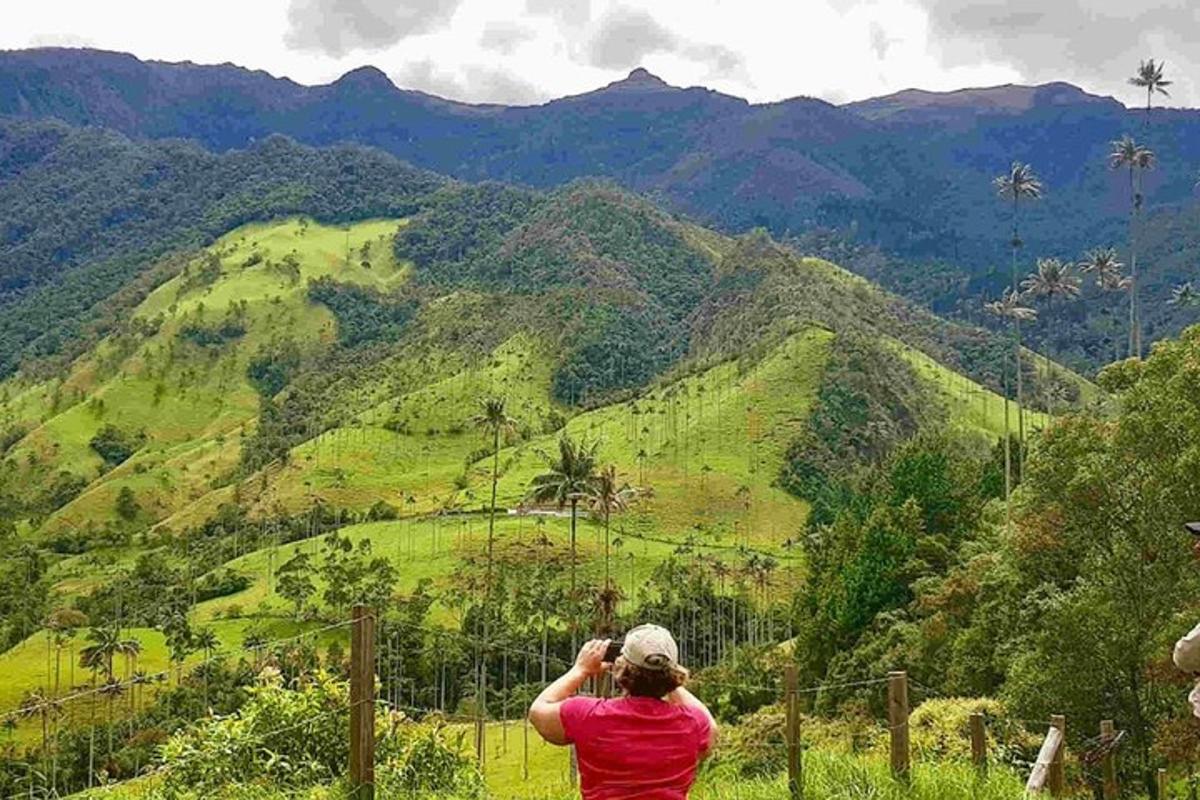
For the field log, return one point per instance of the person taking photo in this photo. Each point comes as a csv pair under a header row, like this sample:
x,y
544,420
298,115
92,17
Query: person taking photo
x,y
645,744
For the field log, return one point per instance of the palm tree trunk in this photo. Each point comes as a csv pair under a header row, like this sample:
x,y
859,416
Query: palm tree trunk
x,y
481,693
572,604
574,765
1016,244
1135,315
1007,461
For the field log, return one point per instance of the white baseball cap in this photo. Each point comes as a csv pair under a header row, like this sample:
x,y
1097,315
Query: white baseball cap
x,y
650,647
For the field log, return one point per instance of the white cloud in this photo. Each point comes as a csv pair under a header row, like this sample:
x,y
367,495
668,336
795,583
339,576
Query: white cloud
x,y
528,50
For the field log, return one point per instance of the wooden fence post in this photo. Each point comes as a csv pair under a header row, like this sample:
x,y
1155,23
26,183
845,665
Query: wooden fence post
x,y
362,703
1108,764
978,742
898,721
792,700
1057,775
1160,783
1051,747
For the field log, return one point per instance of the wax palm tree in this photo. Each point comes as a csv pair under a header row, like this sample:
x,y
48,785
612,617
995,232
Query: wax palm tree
x,y
571,477
1053,279
1019,183
1185,295
39,703
98,656
1150,77
610,494
1009,308
255,642
493,420
206,640
62,624
1105,264
1128,154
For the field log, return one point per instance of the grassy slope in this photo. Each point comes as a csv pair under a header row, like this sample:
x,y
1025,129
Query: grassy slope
x,y
192,403
708,444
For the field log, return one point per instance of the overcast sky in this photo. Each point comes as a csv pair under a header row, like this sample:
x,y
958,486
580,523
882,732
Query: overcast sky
x,y
527,51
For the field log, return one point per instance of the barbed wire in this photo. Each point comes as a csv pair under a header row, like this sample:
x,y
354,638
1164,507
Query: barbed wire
x,y
113,686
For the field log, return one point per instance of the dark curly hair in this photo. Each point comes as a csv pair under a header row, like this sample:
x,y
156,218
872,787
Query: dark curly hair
x,y
641,682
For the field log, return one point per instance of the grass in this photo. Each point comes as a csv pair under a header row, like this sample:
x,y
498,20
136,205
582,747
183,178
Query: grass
x,y
33,663
826,776
192,404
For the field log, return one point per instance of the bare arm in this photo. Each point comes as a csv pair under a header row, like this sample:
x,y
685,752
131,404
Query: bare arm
x,y
543,714
683,697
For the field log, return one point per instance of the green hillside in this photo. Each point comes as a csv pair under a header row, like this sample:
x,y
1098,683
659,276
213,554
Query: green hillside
x,y
176,383
299,395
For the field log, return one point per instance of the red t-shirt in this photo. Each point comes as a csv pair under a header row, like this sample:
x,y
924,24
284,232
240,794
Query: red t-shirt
x,y
635,747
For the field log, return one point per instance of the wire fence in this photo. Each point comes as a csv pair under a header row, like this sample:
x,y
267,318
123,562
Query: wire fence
x,y
455,701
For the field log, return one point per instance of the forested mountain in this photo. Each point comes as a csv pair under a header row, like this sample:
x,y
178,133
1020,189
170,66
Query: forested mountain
x,y
85,212
796,167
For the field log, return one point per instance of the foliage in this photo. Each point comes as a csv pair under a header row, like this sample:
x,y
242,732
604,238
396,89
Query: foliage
x,y
296,739
134,201
363,314
289,738
114,445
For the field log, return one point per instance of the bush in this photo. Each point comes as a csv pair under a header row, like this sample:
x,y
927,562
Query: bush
x,y
285,740
114,445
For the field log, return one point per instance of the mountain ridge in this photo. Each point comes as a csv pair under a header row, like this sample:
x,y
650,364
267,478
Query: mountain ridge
x,y
798,167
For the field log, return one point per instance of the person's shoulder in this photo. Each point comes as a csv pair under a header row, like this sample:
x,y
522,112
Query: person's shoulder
x,y
699,718
581,704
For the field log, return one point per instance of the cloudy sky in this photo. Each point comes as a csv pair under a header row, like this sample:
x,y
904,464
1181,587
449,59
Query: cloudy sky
x,y
527,51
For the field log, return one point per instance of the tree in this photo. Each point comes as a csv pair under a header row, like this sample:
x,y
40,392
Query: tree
x,y
1053,279
206,641
127,507
1105,264
1009,308
180,643
1150,77
294,581
609,494
571,478
62,624
1185,295
1128,154
98,656
1019,183
1109,582
493,420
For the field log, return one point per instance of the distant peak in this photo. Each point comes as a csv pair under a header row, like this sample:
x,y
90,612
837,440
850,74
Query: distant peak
x,y
640,79
1008,98
366,77
643,75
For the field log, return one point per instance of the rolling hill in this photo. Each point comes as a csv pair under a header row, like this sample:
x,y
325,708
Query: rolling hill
x,y
296,376
797,167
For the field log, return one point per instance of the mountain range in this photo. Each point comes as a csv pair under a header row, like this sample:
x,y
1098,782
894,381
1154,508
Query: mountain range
x,y
897,187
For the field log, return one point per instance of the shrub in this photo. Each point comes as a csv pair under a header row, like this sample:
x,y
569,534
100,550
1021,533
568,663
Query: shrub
x,y
282,741
114,445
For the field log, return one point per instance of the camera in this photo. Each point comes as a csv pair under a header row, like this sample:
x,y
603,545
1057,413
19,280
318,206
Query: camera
x,y
1193,528
614,650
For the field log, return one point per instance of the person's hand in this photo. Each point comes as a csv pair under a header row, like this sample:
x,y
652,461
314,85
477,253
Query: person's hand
x,y
590,660
1196,550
